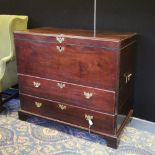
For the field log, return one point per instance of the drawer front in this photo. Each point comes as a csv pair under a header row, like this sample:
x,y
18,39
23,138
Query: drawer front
x,y
86,97
88,66
69,114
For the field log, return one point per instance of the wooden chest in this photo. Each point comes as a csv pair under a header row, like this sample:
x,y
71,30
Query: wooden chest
x,y
71,77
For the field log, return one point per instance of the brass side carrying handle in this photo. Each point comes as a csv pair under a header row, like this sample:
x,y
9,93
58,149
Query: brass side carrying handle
x,y
62,107
60,48
60,38
127,77
61,85
88,95
38,104
36,84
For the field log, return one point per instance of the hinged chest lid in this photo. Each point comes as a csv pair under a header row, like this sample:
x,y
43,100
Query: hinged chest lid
x,y
109,40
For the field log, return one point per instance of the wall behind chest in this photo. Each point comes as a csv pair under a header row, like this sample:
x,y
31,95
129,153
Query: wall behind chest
x,y
112,15
56,13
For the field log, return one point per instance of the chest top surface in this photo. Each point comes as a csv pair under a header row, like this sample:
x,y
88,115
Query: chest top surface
x,y
114,40
79,33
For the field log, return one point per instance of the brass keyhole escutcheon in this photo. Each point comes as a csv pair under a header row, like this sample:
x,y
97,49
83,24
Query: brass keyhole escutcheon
x,y
89,118
60,48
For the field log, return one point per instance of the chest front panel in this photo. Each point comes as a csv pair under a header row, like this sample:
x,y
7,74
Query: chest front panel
x,y
88,66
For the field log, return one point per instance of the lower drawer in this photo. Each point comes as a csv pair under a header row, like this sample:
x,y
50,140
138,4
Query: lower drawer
x,y
72,115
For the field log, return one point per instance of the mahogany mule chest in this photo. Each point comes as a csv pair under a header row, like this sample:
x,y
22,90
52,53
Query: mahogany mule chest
x,y
71,77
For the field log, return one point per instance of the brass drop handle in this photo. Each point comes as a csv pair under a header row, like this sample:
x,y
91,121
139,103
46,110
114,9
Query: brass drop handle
x,y
38,104
62,107
61,85
88,95
60,38
127,77
60,48
89,118
36,84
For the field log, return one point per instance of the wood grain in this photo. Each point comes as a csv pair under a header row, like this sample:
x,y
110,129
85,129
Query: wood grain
x,y
73,115
81,65
103,101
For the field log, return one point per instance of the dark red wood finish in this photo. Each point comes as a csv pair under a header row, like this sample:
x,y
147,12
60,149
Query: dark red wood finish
x,y
72,114
89,66
83,63
108,40
103,101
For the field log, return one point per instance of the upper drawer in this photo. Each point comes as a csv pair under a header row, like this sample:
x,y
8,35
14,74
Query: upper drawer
x,y
88,66
86,97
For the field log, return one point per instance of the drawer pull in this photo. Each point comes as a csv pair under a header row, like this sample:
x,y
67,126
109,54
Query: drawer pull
x,y
88,95
60,48
38,104
61,85
127,77
36,84
89,118
62,107
60,38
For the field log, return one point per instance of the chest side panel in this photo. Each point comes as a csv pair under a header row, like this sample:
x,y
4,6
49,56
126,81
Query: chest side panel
x,y
126,82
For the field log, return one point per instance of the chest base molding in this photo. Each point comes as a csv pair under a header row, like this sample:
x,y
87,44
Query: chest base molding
x,y
112,140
